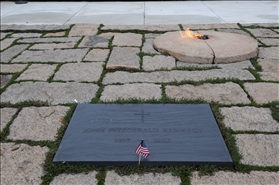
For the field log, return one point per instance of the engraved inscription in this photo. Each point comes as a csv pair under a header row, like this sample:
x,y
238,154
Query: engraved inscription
x,y
142,115
162,140
182,130
122,140
96,130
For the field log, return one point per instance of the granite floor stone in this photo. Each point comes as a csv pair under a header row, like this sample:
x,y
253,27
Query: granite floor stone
x,y
55,34
127,39
128,91
258,149
249,118
66,55
124,57
158,62
37,123
45,27
263,92
210,26
6,116
4,34
22,164
269,53
270,41
231,178
83,29
237,31
50,39
4,80
263,32
227,93
52,46
148,47
95,41
53,93
11,52
26,35
38,72
6,43
80,72
113,178
75,179
142,27
12,68
270,69
97,55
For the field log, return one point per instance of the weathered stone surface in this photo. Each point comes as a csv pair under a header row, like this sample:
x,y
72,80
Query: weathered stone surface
x,y
127,91
261,32
26,35
249,118
6,116
45,27
53,46
4,34
8,54
270,41
149,178
53,93
148,47
37,123
269,53
270,69
38,72
80,72
66,55
263,92
227,93
124,57
238,31
50,39
175,75
83,29
6,43
12,68
199,51
231,178
127,39
269,76
151,35
22,164
94,41
262,24
97,55
142,27
258,149
158,62
74,179
210,26
56,34
4,80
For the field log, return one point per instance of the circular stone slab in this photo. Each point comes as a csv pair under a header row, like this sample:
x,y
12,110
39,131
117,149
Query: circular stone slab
x,y
221,47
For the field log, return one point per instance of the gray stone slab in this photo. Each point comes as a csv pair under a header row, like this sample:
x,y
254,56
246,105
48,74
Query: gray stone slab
x,y
52,46
189,132
65,55
148,47
55,34
210,26
227,93
54,93
238,31
232,178
263,92
270,69
5,79
262,24
8,54
158,62
80,72
6,43
142,27
128,91
94,41
83,29
270,41
38,72
147,178
124,57
45,27
37,123
4,34
74,179
151,35
50,39
258,149
26,35
6,116
261,32
249,118
12,68
97,55
127,39
22,164
269,53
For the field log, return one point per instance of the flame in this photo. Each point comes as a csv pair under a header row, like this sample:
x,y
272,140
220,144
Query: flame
x,y
189,34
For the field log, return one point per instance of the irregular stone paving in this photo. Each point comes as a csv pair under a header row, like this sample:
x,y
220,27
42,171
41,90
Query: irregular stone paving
x,y
142,27
6,43
158,62
12,68
5,79
74,179
6,116
37,123
38,72
269,53
270,69
127,39
263,32
21,163
96,55
55,34
94,41
259,119
9,53
231,178
258,149
53,46
83,29
50,39
45,27
113,178
270,42
26,35
4,34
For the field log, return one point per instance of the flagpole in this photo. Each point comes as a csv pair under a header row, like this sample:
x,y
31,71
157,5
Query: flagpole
x,y
139,158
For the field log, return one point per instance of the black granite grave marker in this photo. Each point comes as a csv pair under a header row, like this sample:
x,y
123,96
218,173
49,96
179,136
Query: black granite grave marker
x,y
175,134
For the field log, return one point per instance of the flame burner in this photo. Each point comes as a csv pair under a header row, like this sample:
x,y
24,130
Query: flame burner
x,y
203,37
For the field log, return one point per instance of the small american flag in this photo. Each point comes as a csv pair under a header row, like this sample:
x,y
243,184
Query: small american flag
x,y
142,149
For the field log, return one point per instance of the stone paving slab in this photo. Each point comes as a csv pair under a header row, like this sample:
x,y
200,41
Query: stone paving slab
x,y
80,72
52,46
38,72
37,123
209,26
127,91
4,80
66,55
269,53
249,118
95,41
97,55
26,35
270,69
55,34
158,62
258,149
83,29
263,92
149,178
4,34
231,178
270,41
227,93
21,163
12,68
6,116
49,39
8,54
148,47
263,32
6,43
127,39
75,179
45,27
142,27
124,57
237,31
54,93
